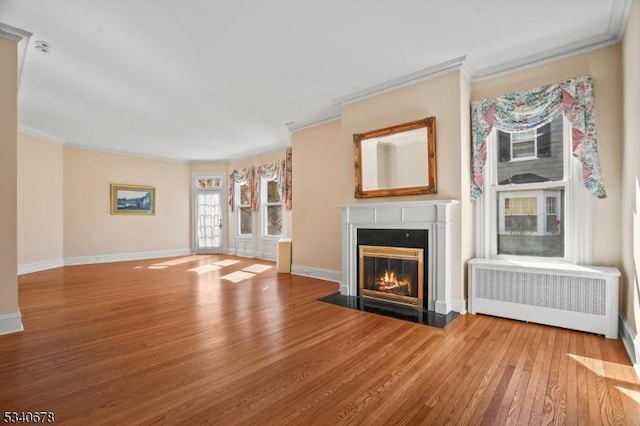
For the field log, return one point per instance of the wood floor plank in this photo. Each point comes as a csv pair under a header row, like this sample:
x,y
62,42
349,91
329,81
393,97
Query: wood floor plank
x,y
166,341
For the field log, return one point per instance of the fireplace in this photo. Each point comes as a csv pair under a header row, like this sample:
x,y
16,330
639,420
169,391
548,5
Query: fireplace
x,y
393,274
391,265
423,225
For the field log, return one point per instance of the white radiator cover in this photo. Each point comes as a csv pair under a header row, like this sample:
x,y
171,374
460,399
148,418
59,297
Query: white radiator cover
x,y
578,297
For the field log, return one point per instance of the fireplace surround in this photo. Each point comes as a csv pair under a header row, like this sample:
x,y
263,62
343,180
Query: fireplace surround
x,y
433,218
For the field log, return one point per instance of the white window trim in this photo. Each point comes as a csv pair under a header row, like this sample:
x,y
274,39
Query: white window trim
x,y
264,222
578,214
237,205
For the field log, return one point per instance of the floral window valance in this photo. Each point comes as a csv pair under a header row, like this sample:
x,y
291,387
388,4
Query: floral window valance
x,y
533,108
279,170
244,176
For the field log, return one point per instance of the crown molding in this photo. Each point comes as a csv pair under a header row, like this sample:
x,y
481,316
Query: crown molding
x,y
553,55
125,153
13,33
255,153
405,80
39,134
315,121
21,37
619,17
617,23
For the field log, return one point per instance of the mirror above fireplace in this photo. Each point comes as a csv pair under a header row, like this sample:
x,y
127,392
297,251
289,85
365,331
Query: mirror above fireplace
x,y
396,160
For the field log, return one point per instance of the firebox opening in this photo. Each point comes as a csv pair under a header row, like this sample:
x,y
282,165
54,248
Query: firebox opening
x,y
392,266
392,273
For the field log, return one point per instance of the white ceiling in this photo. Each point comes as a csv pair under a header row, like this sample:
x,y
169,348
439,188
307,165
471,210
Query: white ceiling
x,y
221,79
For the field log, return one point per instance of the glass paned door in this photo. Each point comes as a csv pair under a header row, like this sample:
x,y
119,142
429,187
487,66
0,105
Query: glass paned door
x,y
209,221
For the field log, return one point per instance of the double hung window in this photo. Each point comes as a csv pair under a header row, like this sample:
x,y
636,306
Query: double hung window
x,y
535,204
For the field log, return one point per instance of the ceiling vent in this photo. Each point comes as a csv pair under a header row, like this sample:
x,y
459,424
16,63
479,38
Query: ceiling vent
x,y
43,46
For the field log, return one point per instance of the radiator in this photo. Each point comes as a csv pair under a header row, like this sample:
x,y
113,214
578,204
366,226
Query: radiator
x,y
578,297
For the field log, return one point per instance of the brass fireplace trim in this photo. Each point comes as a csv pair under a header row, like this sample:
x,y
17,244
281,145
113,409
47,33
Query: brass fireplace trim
x,y
402,253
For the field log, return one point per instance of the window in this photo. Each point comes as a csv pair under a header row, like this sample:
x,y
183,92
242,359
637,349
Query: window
x,y
271,208
243,209
524,209
523,145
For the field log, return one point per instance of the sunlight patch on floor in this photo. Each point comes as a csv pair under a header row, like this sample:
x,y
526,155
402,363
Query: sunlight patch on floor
x,y
597,366
205,269
257,268
157,267
633,394
181,260
238,276
226,262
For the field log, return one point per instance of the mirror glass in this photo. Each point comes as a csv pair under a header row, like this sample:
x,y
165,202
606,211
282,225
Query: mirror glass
x,y
397,160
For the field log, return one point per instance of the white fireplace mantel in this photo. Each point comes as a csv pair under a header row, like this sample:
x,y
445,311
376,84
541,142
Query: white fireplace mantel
x,y
433,215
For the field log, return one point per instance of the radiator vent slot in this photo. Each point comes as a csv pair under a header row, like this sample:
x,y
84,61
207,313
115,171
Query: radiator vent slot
x,y
567,293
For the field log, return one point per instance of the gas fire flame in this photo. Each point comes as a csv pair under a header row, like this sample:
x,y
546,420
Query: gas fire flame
x,y
389,282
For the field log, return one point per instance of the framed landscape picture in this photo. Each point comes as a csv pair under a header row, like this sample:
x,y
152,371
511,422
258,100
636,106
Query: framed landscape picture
x,y
133,199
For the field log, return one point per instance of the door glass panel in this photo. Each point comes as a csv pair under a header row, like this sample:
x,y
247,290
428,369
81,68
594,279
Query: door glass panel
x,y
209,220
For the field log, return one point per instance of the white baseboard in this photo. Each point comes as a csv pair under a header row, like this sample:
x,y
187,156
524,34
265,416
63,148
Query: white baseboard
x,y
321,274
11,323
121,257
43,265
459,306
631,343
230,251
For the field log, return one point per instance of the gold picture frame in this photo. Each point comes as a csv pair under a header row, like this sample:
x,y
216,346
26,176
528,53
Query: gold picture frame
x,y
133,199
396,160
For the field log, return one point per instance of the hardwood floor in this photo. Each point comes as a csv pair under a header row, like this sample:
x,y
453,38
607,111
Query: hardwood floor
x,y
169,342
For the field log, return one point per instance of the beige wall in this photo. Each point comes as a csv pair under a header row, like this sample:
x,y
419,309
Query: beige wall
x,y
318,188
8,176
439,97
324,176
90,229
40,221
604,65
631,169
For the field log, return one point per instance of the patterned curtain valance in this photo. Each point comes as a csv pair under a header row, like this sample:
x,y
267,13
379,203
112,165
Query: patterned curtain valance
x,y
532,108
279,170
286,185
273,171
245,175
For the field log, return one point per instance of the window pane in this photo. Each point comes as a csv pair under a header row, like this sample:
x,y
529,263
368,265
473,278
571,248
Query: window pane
x,y
519,233
548,166
551,205
526,135
520,224
245,220
273,192
523,149
245,195
274,220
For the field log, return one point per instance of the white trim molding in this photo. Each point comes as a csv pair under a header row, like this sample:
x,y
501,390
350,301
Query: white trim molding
x,y
631,342
42,265
315,121
319,273
11,323
405,80
21,37
123,257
